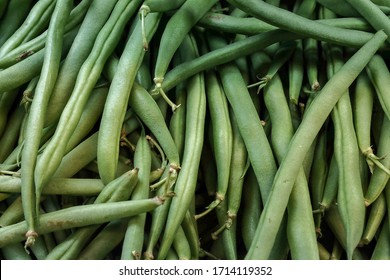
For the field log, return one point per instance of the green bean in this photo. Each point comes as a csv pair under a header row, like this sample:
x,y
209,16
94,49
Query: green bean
x,y
39,249
160,214
318,174
177,121
89,118
15,252
379,178
13,214
96,16
157,6
181,245
373,14
380,77
18,74
374,220
32,46
113,114
40,10
315,116
382,247
222,137
238,168
248,122
299,214
7,100
323,252
37,113
147,110
105,241
283,18
134,237
57,186
231,24
343,8
119,189
281,56
9,139
363,108
87,77
16,11
331,186
186,181
79,216
251,207
176,29
296,73
191,231
311,57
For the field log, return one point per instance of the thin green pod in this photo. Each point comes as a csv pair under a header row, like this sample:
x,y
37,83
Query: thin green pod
x,y
25,70
157,6
295,73
342,8
299,213
380,77
251,208
87,77
379,178
382,247
350,197
173,35
13,214
375,217
89,118
7,100
248,121
331,186
105,241
95,18
363,101
34,16
16,11
132,247
119,189
79,216
315,117
37,43
147,110
373,14
186,180
15,251
222,136
30,193
181,245
118,97
9,139
57,186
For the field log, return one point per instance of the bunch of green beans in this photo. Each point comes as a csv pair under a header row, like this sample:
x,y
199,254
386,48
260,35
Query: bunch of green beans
x,y
194,130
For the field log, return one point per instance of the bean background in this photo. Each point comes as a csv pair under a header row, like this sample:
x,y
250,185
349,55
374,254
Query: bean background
x,y
190,129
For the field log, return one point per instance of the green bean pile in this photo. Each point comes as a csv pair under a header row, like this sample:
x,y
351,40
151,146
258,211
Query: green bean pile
x,y
194,129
